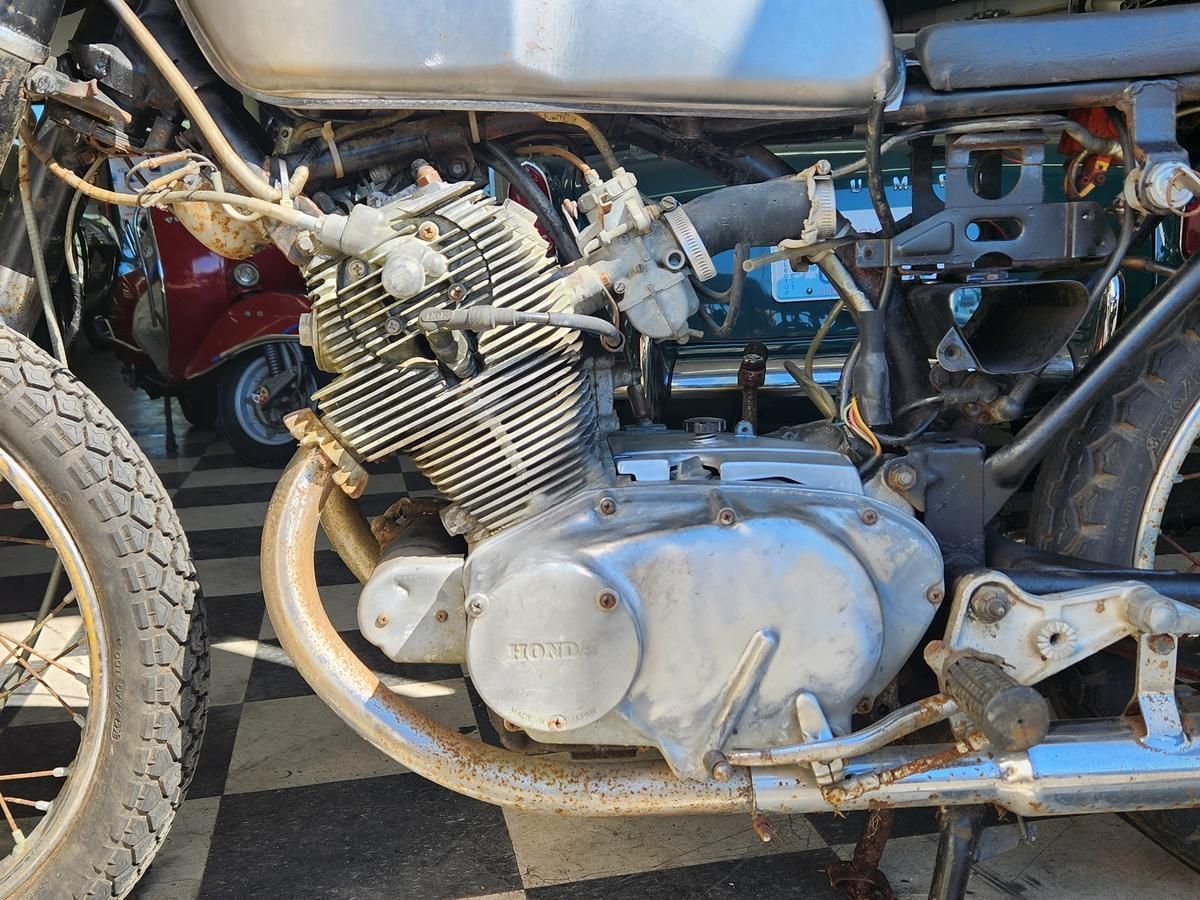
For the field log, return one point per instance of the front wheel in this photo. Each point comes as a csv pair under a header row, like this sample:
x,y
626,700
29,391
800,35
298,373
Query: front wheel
x,y
103,657
257,389
1123,487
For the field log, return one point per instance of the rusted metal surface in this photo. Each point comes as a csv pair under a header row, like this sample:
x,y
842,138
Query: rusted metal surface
x,y
898,724
394,727
860,878
752,374
853,789
350,535
220,232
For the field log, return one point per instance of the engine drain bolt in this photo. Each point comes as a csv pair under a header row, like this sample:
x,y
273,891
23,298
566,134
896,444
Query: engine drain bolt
x,y
606,600
935,594
441,615
381,621
607,506
556,723
476,604
869,517
726,516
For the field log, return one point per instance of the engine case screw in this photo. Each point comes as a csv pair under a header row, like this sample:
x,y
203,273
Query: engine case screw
x,y
606,600
990,606
457,293
607,506
381,621
441,615
392,326
935,594
900,476
869,516
427,231
356,269
666,204
476,605
726,516
556,723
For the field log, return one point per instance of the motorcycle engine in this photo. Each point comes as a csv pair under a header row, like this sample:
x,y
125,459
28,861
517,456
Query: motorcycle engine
x,y
688,592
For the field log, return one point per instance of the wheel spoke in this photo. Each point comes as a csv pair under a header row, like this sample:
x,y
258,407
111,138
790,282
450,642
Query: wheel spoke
x,y
66,601
75,717
1191,557
51,660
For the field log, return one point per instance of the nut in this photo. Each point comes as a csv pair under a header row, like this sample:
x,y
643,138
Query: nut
x,y
869,516
427,231
606,600
556,723
476,605
726,516
441,615
381,621
990,606
900,476
607,506
935,594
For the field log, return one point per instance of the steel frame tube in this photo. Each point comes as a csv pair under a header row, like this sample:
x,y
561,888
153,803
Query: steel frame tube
x,y
394,727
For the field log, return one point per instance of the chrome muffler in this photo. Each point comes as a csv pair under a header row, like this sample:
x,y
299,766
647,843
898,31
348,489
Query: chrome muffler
x,y
1094,766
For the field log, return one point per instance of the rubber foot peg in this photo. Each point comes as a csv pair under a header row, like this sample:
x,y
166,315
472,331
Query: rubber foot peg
x,y
1012,716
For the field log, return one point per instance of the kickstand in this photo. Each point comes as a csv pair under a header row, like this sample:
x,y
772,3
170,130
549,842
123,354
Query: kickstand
x,y
860,879
958,842
172,444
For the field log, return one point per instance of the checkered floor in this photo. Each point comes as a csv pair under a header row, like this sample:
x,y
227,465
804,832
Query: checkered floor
x,y
288,802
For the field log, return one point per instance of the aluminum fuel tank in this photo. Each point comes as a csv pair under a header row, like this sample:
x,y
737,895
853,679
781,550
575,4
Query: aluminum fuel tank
x,y
712,57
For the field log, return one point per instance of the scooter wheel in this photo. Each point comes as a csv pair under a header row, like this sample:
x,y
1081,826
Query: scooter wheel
x,y
256,433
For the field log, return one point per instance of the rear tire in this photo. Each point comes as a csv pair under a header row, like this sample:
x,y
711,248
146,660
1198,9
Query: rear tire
x,y
1089,502
92,475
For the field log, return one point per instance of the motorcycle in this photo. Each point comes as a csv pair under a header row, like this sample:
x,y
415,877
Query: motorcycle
x,y
927,587
217,334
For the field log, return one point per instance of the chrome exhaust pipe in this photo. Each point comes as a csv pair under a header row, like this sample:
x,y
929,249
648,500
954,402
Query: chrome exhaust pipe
x,y
412,739
1082,767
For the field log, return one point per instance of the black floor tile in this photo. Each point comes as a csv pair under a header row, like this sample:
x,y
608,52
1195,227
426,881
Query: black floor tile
x,y
389,837
782,875
216,751
225,461
225,543
223,495
235,617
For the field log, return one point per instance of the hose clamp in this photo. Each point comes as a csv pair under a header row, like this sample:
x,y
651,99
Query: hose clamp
x,y
689,239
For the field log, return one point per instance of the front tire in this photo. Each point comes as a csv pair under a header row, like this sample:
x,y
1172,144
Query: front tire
x,y
1094,498
98,500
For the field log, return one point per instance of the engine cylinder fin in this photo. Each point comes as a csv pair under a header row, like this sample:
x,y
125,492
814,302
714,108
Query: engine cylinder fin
x,y
510,440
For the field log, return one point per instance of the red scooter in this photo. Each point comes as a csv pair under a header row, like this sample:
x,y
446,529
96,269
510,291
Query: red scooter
x,y
218,334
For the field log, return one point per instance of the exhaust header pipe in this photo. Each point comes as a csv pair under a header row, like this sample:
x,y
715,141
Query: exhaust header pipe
x,y
1094,766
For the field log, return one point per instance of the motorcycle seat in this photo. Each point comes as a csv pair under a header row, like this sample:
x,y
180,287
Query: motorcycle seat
x,y
1018,51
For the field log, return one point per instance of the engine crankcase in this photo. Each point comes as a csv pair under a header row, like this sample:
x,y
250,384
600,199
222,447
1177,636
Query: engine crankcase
x,y
689,616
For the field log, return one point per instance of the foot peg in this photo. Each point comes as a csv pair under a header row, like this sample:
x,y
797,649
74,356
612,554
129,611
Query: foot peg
x,y
1011,715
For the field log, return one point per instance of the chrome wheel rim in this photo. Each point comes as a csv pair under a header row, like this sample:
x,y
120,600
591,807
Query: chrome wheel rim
x,y
252,418
37,828
1151,537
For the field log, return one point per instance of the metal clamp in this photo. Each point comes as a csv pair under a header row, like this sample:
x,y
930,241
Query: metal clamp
x,y
689,239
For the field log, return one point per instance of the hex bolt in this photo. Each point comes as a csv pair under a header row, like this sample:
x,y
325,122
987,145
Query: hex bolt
x,y
606,600
356,269
718,766
726,516
607,506
869,516
990,606
476,605
427,231
441,615
935,595
457,293
305,242
1162,644
900,476
381,621
556,723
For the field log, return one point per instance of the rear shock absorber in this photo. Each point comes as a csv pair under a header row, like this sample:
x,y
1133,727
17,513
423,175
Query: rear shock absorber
x,y
275,360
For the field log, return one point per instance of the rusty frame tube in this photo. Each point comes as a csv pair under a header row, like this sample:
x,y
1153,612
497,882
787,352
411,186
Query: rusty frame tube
x,y
417,742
